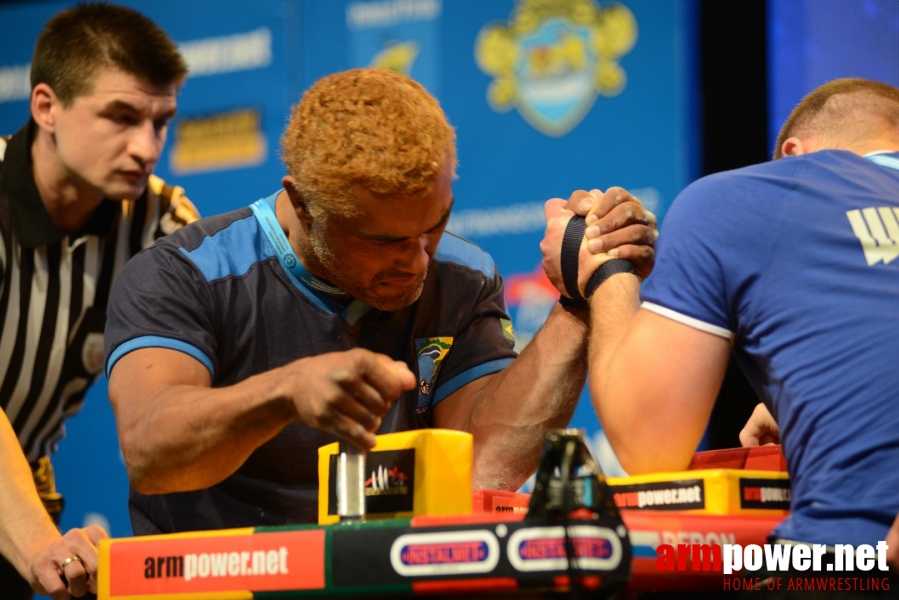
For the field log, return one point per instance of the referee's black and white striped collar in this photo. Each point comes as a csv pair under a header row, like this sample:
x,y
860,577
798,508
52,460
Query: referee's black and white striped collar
x,y
29,215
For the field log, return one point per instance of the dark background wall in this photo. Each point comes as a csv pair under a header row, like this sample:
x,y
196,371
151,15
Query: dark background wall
x,y
734,96
604,95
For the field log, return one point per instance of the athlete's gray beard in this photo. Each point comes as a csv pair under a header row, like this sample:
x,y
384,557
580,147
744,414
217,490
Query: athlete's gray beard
x,y
322,259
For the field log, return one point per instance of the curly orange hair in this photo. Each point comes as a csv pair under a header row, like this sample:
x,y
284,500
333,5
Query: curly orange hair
x,y
369,127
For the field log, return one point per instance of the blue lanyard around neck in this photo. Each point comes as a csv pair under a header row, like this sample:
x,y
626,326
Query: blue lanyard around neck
x,y
272,229
269,223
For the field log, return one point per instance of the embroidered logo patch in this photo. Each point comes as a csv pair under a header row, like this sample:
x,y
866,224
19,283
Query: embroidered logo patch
x,y
431,352
507,329
92,353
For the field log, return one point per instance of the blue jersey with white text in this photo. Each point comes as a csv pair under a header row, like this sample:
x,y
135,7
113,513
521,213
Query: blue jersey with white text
x,y
796,262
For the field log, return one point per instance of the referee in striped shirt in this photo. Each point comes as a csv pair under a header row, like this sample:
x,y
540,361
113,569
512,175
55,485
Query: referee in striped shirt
x,y
77,200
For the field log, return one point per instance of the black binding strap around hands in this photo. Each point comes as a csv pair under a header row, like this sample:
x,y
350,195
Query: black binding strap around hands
x,y
608,268
571,245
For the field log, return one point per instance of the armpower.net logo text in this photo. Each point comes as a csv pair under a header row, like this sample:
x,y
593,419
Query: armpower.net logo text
x,y
217,564
783,566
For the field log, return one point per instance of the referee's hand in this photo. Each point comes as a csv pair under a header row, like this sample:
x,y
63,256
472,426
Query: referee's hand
x,y
68,567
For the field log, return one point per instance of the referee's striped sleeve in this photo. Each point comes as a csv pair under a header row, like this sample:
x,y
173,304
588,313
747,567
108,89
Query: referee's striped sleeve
x,y
52,303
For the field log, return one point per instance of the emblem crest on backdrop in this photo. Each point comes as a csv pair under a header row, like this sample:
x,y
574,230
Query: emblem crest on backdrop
x,y
553,58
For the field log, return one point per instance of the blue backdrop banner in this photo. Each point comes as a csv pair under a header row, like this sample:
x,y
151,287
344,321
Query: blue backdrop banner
x,y
546,98
811,42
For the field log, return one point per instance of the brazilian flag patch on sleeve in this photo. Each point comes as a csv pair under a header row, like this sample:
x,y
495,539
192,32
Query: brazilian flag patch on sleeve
x,y
507,329
431,352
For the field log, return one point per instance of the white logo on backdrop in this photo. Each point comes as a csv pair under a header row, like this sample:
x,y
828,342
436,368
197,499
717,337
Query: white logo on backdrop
x,y
366,15
207,56
229,53
15,83
524,217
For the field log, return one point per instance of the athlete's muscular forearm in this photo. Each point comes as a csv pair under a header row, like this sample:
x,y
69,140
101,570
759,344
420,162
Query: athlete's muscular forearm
x,y
510,412
179,434
615,304
653,380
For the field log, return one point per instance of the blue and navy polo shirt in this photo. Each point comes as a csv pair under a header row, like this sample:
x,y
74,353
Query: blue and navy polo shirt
x,y
219,292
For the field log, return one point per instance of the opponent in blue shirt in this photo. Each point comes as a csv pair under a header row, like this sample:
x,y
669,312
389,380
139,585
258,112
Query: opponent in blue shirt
x,y
792,265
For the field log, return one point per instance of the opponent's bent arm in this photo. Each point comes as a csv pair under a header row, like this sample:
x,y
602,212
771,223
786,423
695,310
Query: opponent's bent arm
x,y
508,413
177,432
653,380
